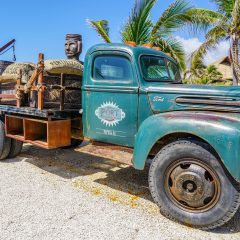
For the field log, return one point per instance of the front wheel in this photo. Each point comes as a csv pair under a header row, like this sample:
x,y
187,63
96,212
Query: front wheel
x,y
191,187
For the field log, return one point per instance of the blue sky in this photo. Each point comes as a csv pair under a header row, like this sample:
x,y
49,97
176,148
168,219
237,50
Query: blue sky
x,y
40,26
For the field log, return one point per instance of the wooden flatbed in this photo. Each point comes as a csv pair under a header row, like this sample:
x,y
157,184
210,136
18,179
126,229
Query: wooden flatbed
x,y
43,123
44,113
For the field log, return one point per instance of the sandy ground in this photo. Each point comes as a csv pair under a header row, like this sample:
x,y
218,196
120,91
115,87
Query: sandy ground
x,y
64,194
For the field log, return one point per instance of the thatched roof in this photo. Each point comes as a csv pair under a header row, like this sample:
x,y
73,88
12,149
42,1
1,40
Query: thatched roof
x,y
224,66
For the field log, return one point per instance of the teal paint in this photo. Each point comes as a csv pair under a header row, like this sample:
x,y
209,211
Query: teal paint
x,y
114,98
147,111
220,130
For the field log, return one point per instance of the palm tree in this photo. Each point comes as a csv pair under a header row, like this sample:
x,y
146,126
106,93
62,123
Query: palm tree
x,y
193,75
102,29
140,28
225,25
204,75
211,75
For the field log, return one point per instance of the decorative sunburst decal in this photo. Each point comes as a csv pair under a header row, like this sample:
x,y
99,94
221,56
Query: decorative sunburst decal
x,y
110,114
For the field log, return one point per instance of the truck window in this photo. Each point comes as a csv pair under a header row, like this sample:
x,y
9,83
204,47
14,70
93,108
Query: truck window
x,y
154,68
173,71
112,68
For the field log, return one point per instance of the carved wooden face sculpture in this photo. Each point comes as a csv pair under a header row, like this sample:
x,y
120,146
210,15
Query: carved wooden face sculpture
x,y
73,46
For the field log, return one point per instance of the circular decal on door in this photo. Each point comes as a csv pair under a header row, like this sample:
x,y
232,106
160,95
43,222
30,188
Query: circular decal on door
x,y
110,114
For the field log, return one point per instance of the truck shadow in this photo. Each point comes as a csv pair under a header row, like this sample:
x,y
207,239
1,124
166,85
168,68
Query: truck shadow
x,y
72,165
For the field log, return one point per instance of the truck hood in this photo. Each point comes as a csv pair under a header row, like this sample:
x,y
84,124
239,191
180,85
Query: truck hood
x,y
194,97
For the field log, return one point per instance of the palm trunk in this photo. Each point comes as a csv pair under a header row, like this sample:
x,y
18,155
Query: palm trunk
x,y
235,78
234,54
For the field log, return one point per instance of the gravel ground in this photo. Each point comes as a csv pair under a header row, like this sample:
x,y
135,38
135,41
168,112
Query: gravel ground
x,y
64,194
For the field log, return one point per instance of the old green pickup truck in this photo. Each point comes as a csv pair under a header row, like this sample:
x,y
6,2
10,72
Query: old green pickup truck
x,y
133,98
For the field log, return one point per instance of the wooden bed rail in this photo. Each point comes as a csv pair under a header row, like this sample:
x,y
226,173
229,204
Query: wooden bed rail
x,y
36,92
29,86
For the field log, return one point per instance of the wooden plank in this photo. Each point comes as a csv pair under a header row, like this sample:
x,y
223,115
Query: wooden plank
x,y
43,133
62,96
59,133
8,96
27,118
76,123
76,128
16,136
35,130
18,93
77,133
40,81
38,143
13,125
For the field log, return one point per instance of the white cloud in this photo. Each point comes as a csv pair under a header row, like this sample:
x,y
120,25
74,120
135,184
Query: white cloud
x,y
222,50
192,44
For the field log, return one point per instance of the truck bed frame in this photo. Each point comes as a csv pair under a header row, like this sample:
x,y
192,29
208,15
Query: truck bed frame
x,y
44,113
28,120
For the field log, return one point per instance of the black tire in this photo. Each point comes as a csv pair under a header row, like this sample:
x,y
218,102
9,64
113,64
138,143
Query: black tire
x,y
16,148
180,173
74,143
5,142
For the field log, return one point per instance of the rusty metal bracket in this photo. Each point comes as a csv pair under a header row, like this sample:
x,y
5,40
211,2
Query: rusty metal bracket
x,y
28,87
17,87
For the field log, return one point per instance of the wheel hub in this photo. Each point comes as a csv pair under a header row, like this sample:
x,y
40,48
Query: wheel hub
x,y
192,185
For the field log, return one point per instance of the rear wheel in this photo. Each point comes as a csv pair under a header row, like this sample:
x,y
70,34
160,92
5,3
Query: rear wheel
x,y
190,186
74,143
5,142
16,148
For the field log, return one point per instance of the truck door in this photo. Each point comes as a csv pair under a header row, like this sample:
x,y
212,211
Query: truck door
x,y
110,98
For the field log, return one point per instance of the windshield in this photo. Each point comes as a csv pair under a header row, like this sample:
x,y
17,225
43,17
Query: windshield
x,y
159,69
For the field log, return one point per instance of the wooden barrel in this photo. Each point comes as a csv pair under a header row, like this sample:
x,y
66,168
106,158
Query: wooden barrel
x,y
3,65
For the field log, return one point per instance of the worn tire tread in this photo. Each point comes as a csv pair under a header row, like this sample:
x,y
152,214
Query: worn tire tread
x,y
6,143
163,211
16,148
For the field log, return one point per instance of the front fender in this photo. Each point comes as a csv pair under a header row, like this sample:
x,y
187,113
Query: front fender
x,y
220,130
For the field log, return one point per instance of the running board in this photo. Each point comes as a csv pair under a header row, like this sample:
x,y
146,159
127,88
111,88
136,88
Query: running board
x,y
112,152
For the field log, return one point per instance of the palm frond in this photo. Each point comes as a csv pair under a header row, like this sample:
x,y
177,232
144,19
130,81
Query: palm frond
x,y
171,19
236,18
200,19
204,75
173,46
225,6
214,37
138,26
219,31
101,28
197,56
